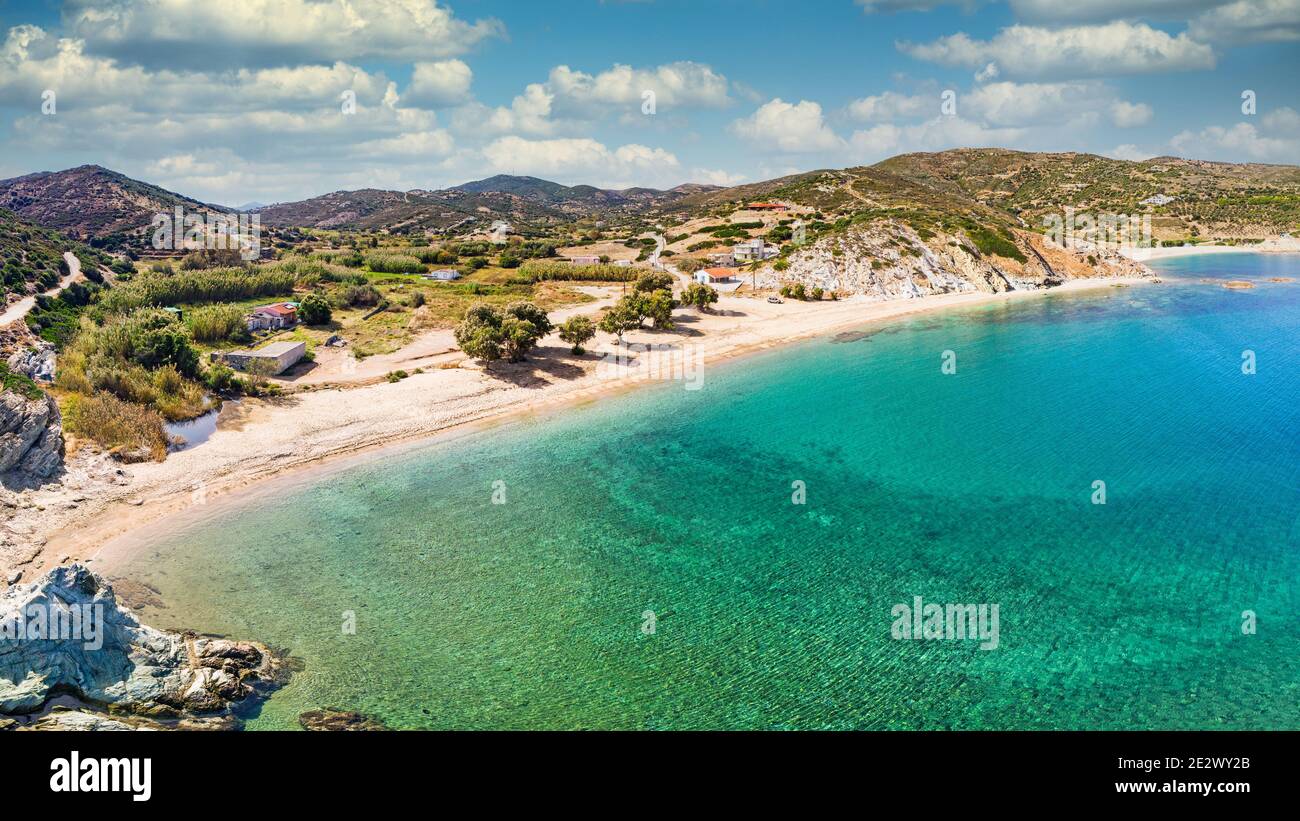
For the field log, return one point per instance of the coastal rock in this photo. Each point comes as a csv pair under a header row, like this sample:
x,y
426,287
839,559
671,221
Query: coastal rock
x,y
891,260
31,439
93,650
338,720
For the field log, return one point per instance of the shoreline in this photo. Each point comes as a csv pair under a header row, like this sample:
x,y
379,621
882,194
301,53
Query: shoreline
x,y
1270,246
301,436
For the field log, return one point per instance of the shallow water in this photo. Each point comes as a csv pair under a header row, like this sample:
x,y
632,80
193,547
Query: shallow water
x,y
974,487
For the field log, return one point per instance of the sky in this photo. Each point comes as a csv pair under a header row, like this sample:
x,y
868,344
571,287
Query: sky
x,y
278,100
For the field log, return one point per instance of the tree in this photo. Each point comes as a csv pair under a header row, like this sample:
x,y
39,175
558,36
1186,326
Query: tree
x,y
315,310
158,340
798,291
620,319
817,294
529,312
699,295
489,334
577,330
657,306
652,281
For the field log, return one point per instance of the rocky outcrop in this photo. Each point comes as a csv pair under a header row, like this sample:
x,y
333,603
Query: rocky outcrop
x,y
72,658
36,362
31,439
891,260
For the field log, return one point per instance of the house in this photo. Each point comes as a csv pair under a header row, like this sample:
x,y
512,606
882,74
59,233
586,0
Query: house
x,y
708,276
1159,199
585,260
443,274
273,317
766,206
753,250
623,263
279,357
723,260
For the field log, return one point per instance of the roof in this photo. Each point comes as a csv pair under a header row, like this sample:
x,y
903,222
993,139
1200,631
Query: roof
x,y
277,349
720,273
766,205
278,309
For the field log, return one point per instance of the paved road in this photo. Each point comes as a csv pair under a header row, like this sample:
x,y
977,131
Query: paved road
x,y
20,308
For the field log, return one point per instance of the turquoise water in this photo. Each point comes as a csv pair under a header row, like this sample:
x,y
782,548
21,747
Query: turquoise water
x,y
974,487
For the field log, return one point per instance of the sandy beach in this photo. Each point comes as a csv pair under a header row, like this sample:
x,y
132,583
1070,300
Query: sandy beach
x,y
258,439
1280,245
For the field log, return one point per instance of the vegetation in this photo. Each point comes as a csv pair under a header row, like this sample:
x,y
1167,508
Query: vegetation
x,y
217,324
488,333
699,295
159,289
315,310
540,271
577,331
117,425
18,383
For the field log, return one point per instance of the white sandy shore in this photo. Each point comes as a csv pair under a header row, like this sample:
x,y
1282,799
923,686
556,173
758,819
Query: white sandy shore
x,y
1287,245
259,439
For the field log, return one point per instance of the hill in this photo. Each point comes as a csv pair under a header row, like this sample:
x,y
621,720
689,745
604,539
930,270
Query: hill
x,y
93,204
530,204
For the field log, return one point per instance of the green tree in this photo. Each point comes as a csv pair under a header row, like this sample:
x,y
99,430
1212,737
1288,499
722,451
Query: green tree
x,y
577,330
620,319
529,312
657,306
652,281
315,310
699,295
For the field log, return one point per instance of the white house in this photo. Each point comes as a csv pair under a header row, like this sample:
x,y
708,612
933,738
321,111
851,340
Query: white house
x,y
1159,199
709,276
753,250
585,260
443,274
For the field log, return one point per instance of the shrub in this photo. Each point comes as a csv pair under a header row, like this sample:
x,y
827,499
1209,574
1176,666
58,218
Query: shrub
x,y
394,264
218,323
117,425
315,310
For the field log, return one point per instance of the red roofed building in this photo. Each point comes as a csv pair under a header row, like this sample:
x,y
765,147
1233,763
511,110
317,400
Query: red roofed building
x,y
708,275
273,317
766,206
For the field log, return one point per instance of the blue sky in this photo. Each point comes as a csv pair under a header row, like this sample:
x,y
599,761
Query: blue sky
x,y
232,102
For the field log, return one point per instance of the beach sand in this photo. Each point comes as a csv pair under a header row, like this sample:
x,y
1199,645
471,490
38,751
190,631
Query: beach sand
x,y
264,438
1280,245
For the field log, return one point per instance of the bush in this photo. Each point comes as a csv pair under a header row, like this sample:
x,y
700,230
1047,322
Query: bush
x,y
117,425
315,310
218,323
654,281
394,264
361,295
489,334
699,295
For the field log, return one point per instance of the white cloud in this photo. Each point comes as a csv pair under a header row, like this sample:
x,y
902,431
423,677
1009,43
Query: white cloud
x,y
1128,151
714,176
891,106
443,83
580,159
1282,120
197,33
936,134
1019,104
790,127
1250,21
681,84
1239,143
1128,115
1080,51
1092,10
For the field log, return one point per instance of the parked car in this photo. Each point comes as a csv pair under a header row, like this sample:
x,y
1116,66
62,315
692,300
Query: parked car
x,y
775,300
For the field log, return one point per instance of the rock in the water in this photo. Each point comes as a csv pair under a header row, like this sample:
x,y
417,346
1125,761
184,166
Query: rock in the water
x,y
335,720
31,438
97,652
